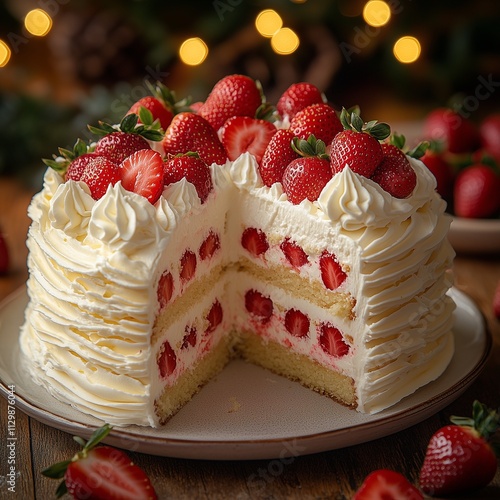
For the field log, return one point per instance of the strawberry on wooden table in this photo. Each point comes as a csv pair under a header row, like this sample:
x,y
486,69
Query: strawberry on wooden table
x,y
241,134
189,132
386,484
101,472
297,97
461,457
233,95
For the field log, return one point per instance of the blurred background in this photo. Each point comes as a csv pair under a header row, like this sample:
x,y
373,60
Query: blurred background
x,y
67,63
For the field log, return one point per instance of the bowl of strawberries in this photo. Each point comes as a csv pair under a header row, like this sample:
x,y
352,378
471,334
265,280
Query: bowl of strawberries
x,y
465,159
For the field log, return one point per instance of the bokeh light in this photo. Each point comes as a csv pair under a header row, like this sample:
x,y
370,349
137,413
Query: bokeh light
x,y
193,51
38,22
407,49
5,54
376,13
285,41
268,22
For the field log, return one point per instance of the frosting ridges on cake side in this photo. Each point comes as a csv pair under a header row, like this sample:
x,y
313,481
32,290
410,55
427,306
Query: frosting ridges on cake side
x,y
136,302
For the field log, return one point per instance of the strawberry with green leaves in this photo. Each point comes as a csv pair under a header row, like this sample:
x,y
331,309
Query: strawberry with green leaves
x,y
161,105
306,176
71,162
462,457
297,97
233,95
358,146
101,472
189,132
129,138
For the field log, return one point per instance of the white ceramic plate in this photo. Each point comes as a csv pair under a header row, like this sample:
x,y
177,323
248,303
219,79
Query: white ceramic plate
x,y
475,236
247,412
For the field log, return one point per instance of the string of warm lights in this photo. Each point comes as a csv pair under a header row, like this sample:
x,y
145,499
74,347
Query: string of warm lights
x,y
269,24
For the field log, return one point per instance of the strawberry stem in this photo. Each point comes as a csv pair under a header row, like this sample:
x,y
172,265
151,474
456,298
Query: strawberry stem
x,y
351,120
485,421
311,148
58,470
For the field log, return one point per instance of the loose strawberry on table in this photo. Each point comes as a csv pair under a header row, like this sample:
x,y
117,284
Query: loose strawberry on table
x,y
385,484
101,472
462,457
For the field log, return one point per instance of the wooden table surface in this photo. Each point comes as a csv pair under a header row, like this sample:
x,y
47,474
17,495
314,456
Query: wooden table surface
x,y
334,474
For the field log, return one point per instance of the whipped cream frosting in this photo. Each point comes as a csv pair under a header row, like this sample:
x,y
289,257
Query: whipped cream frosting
x,y
96,264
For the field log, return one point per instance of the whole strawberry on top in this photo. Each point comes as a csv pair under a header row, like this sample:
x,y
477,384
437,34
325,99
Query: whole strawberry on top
x,y
462,458
358,145
162,105
306,176
297,97
189,132
233,95
101,472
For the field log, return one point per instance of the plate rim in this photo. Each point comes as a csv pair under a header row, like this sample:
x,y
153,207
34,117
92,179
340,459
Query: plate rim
x,y
241,447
